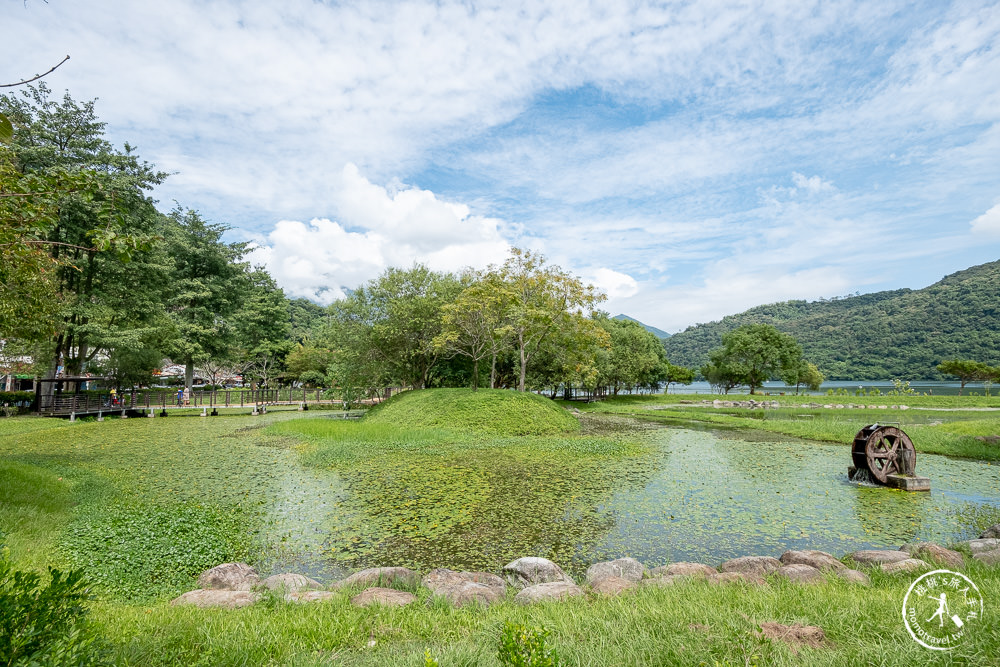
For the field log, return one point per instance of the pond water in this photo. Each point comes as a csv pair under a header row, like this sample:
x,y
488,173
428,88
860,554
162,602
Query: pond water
x,y
694,495
868,388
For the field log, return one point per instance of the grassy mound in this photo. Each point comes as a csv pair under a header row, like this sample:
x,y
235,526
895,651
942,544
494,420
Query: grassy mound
x,y
492,411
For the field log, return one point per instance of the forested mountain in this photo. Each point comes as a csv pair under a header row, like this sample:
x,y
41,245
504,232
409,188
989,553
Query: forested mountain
x,y
659,333
902,333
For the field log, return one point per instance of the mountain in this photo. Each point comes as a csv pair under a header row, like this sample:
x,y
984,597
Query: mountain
x,y
902,333
659,333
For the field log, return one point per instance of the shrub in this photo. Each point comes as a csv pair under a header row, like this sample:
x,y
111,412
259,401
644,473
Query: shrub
x,y
44,624
521,646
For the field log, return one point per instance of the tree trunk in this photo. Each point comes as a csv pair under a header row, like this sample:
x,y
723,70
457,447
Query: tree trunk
x,y
475,374
188,374
524,367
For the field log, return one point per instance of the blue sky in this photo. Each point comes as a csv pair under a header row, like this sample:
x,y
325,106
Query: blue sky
x,y
693,159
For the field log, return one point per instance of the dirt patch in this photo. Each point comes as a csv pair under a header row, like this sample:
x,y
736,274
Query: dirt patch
x,y
795,635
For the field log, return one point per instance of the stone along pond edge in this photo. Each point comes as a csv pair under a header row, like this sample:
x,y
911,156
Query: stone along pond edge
x,y
233,585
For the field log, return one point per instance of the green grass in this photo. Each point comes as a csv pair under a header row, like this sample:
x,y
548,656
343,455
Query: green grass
x,y
487,411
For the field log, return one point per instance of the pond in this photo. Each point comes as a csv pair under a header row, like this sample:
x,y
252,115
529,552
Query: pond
x,y
698,495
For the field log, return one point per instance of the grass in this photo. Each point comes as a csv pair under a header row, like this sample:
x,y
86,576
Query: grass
x,y
487,411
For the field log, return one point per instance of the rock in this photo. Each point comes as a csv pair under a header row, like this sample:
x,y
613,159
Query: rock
x,y
217,597
612,585
683,569
908,565
380,575
993,532
229,577
879,556
934,552
663,580
854,577
626,568
462,588
817,559
303,597
532,570
730,577
291,582
551,590
799,573
758,565
384,596
988,544
988,557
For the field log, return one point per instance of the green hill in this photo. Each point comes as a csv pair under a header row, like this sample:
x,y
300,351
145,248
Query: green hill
x,y
491,411
659,333
902,333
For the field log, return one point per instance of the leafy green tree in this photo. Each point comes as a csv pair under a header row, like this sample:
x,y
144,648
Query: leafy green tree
x,y
677,375
308,363
635,356
966,371
207,284
752,354
475,325
261,327
805,373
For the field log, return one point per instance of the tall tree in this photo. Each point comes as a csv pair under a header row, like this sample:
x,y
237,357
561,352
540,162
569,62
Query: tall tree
x,y
752,354
474,325
966,371
261,325
207,285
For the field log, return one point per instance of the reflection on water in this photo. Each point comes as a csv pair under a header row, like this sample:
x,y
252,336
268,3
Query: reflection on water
x,y
687,495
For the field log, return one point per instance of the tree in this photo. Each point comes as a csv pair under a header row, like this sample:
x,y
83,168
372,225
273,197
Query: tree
x,y
261,326
634,358
474,325
752,354
541,299
966,371
804,373
677,375
309,363
206,286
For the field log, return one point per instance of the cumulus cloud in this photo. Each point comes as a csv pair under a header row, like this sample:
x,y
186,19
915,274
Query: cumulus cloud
x,y
615,284
378,227
987,223
813,184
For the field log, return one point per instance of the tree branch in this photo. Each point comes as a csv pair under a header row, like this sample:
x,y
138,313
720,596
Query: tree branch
x,y
34,78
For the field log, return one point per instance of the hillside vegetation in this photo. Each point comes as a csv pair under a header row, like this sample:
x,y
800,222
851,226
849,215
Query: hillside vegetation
x,y
901,333
490,411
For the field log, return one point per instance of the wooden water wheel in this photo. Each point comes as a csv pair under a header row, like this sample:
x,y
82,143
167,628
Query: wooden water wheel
x,y
883,451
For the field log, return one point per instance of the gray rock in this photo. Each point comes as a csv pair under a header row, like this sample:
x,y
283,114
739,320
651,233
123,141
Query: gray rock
x,y
879,556
303,597
934,552
817,559
758,565
908,565
993,532
552,590
382,596
380,575
291,582
988,557
683,569
217,597
612,585
854,576
462,588
626,568
532,570
229,577
732,577
800,573
988,544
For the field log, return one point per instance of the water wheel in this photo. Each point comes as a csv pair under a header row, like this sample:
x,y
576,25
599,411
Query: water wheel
x,y
883,451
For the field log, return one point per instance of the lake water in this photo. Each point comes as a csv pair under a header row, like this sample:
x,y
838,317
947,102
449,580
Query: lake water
x,y
698,495
884,386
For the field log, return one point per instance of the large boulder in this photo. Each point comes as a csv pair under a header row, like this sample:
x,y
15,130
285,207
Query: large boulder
x,y
462,588
612,585
380,576
934,552
626,568
683,569
229,577
756,565
799,573
552,590
217,597
993,532
303,597
986,544
817,559
532,570
291,582
907,565
382,596
854,577
733,577
879,556
988,557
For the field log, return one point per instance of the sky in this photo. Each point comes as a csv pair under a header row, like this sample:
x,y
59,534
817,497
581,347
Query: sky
x,y
692,159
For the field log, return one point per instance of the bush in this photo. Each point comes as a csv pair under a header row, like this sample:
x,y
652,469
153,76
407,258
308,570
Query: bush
x,y
44,624
521,646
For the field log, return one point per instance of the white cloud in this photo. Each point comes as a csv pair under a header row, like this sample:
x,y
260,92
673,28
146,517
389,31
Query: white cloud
x,y
812,185
378,228
987,223
615,284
